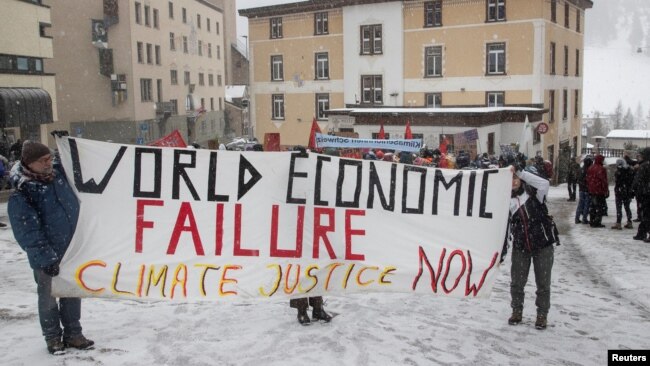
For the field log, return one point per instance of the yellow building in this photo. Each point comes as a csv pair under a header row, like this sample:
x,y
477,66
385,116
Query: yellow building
x,y
445,66
27,90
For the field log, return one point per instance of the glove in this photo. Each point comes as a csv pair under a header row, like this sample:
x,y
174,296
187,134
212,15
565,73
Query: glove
x,y
58,133
52,270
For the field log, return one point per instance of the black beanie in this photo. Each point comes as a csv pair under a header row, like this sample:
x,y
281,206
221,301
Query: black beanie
x,y
33,151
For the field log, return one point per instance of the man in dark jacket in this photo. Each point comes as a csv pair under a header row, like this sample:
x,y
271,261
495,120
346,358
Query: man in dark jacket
x,y
533,235
623,193
641,187
43,211
572,178
598,190
584,198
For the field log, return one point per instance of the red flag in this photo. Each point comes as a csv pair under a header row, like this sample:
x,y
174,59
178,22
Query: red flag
x,y
312,135
174,139
382,135
443,145
407,133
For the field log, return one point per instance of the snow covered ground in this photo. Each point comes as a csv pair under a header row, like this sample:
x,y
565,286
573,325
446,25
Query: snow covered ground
x,y
600,301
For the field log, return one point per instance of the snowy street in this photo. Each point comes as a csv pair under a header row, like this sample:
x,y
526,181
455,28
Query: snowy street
x,y
600,300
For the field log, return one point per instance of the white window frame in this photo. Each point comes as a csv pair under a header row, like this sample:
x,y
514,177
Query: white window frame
x,y
277,68
496,10
433,61
321,23
495,98
496,58
322,104
277,106
276,27
433,100
322,66
372,88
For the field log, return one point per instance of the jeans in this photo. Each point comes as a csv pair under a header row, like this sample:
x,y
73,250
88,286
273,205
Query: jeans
x,y
620,204
53,314
542,265
583,206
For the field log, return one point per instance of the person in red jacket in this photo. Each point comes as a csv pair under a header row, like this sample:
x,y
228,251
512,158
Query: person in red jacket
x,y
598,190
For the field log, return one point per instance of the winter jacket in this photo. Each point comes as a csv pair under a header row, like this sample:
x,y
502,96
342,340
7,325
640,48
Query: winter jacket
x,y
530,225
43,216
582,178
624,177
574,172
641,184
597,177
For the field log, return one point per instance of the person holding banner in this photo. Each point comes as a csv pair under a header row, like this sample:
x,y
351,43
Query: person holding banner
x,y
533,235
43,211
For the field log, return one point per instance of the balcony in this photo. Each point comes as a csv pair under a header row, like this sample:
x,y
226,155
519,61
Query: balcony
x,y
166,109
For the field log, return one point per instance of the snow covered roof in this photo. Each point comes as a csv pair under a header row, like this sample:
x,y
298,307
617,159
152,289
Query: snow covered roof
x,y
435,110
628,134
235,91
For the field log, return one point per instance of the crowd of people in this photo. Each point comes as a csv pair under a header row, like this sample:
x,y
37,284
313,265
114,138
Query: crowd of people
x,y
631,182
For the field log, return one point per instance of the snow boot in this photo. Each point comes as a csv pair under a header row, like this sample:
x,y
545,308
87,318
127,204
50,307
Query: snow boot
x,y
617,226
303,318
515,318
55,346
79,342
540,323
629,225
320,314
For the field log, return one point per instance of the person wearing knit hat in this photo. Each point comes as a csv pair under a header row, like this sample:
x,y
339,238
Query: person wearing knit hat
x,y
43,210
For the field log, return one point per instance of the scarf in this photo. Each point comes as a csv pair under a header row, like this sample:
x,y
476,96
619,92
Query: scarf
x,y
21,174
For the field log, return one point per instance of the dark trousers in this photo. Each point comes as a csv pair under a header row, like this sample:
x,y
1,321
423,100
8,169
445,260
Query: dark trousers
x,y
644,225
304,302
571,186
583,206
620,204
52,314
542,260
596,209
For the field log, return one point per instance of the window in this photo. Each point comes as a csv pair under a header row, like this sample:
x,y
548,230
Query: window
x,y
200,48
157,49
496,10
490,143
211,99
322,104
201,79
277,106
322,66
185,44
371,89
321,23
554,11
173,77
171,10
375,135
174,103
187,78
433,61
210,80
577,62
145,90
216,28
159,89
277,69
140,53
433,100
218,80
20,64
221,104
198,21
495,99
210,50
551,105
552,57
576,103
172,42
566,15
149,54
155,19
138,13
42,29
147,11
276,27
566,60
184,12
537,137
218,52
496,58
203,103
565,104
433,13
371,39
578,20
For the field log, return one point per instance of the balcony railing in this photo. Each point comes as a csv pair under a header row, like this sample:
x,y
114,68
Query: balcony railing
x,y
606,152
166,108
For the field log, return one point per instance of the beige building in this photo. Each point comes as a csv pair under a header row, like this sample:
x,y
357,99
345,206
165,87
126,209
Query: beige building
x,y
27,90
445,66
133,71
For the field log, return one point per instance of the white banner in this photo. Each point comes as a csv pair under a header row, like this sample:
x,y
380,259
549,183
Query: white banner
x,y
186,225
352,143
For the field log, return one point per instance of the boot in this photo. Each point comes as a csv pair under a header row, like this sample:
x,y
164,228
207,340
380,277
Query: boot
x,y
55,346
629,225
540,323
515,318
320,314
617,226
79,342
303,318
